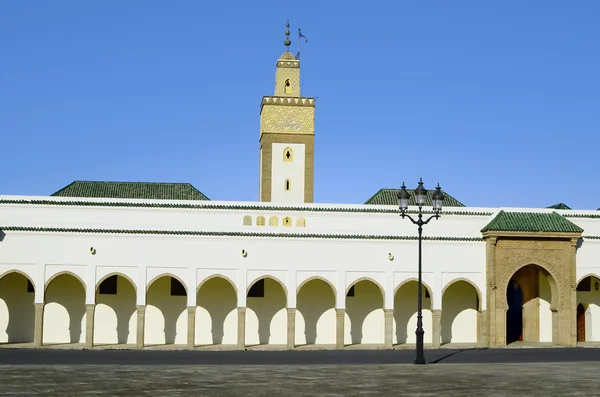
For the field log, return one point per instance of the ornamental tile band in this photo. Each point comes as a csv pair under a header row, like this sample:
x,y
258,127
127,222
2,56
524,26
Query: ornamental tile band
x,y
233,234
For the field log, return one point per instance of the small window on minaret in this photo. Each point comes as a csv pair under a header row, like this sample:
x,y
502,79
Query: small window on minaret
x,y
288,87
288,154
287,185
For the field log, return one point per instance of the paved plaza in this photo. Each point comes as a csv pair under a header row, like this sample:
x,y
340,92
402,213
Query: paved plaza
x,y
542,379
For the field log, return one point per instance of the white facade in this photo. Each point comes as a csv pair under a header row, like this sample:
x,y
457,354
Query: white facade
x,y
67,247
287,175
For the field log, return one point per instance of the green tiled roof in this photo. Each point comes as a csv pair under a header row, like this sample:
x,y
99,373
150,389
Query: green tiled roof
x,y
560,206
531,222
132,190
390,197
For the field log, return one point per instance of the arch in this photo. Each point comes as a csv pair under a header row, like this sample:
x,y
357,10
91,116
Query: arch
x,y
315,312
578,281
288,154
22,273
272,278
551,281
126,277
427,287
318,278
64,309
266,315
166,314
288,185
456,280
287,86
260,221
218,275
461,305
216,311
366,279
17,309
170,275
66,272
115,317
590,300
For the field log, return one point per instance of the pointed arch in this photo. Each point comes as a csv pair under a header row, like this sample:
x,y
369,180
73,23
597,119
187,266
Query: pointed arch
x,y
269,277
126,277
456,280
170,275
66,272
317,278
366,279
427,287
217,275
22,273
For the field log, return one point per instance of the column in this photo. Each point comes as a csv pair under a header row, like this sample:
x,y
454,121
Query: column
x,y
340,318
90,310
141,322
388,315
437,327
291,328
191,328
241,337
482,322
38,334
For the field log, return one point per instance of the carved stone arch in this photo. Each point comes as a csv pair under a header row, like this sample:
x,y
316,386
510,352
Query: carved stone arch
x,y
552,281
458,279
22,273
272,278
321,279
578,281
170,275
62,274
213,276
116,274
427,287
353,283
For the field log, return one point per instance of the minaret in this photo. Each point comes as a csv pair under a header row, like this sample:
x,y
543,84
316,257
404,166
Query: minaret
x,y
287,134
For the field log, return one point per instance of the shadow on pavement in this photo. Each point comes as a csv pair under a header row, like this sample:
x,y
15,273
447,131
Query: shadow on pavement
x,y
439,360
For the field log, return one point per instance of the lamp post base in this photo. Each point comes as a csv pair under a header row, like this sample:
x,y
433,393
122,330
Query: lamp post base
x,y
420,354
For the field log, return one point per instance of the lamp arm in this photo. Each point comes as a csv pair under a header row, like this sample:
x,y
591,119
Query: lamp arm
x,y
409,217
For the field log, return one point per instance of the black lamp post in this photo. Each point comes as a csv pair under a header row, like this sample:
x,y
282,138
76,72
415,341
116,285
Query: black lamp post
x,y
420,196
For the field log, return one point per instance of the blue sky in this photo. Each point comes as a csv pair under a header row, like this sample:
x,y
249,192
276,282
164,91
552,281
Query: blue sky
x,y
498,101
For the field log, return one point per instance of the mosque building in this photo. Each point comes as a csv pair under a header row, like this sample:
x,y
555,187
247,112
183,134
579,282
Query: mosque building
x,y
131,264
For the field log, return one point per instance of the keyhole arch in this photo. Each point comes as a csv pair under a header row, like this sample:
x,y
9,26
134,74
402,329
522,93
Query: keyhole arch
x,y
288,154
287,87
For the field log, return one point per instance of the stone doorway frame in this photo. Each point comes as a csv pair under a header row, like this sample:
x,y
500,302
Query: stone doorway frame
x,y
508,252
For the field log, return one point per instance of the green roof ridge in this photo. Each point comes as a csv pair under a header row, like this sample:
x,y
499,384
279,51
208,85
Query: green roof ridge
x,y
560,206
131,190
531,222
389,196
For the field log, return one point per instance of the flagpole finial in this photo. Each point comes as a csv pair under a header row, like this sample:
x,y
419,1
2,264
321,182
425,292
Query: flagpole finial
x,y
287,41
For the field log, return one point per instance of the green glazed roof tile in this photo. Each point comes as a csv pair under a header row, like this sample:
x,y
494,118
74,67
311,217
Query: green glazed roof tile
x,y
390,197
531,222
132,190
560,206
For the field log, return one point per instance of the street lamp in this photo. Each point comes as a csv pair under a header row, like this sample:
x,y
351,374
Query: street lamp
x,y
420,196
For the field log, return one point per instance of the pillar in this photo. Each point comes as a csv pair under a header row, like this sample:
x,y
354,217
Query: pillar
x,y
388,315
38,333
241,337
340,318
191,327
90,310
141,323
436,334
482,331
291,328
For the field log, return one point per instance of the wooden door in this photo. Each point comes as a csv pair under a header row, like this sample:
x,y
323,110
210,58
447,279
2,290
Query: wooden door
x,y
580,323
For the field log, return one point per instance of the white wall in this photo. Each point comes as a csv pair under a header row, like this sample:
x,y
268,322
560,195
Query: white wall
x,y
64,312
315,314
266,318
405,315
292,170
459,313
17,312
166,315
216,313
115,317
364,321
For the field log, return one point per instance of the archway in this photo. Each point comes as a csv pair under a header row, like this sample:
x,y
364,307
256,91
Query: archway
x,y
460,312
17,311
166,312
64,311
115,320
315,317
531,294
364,321
266,313
216,313
588,294
405,313
580,323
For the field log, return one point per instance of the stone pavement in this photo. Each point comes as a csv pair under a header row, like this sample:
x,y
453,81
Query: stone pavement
x,y
539,379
